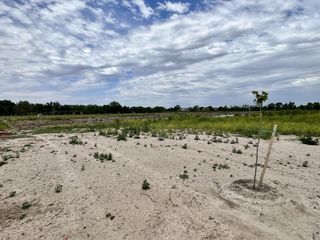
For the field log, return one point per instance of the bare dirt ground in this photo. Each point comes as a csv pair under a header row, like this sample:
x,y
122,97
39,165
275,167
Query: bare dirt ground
x,y
104,200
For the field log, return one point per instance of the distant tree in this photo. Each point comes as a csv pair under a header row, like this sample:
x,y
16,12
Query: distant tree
x,y
309,106
279,105
177,108
114,107
7,107
271,106
23,107
195,108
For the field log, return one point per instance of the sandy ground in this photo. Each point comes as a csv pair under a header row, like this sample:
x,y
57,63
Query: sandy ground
x,y
105,200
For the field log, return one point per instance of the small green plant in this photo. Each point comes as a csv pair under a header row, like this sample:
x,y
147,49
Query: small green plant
x,y
305,164
307,139
7,157
145,185
215,139
196,137
103,133
184,176
12,194
233,141
26,205
122,137
58,188
220,166
3,163
103,156
237,151
185,146
162,136
74,140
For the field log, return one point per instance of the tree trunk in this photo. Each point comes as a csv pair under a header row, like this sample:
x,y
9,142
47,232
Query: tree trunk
x,y
257,151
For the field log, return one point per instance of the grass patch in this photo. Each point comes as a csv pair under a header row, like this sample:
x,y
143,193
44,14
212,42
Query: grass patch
x,y
293,122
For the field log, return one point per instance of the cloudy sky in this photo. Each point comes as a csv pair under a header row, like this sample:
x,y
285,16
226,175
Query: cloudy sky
x,y
147,52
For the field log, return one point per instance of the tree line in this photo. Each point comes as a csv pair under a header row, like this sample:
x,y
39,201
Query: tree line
x,y
8,107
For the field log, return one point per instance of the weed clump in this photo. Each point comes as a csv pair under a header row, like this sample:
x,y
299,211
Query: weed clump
x,y
74,140
122,137
307,139
237,151
185,146
145,185
103,156
26,205
184,176
12,194
162,136
58,188
220,166
215,139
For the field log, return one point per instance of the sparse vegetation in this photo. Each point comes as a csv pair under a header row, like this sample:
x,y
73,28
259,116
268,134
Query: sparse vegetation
x,y
236,150
103,156
58,188
26,205
145,185
162,136
220,166
309,140
184,176
185,146
12,193
122,137
74,140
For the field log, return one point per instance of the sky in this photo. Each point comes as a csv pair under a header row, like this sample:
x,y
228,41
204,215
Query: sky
x,y
151,53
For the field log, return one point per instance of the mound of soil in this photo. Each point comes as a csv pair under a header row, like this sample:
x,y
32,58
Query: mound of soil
x,y
245,188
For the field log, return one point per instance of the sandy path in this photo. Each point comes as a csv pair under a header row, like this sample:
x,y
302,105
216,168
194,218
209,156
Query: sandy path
x,y
201,207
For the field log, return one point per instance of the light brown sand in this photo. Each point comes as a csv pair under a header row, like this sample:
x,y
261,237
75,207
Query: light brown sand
x,y
205,206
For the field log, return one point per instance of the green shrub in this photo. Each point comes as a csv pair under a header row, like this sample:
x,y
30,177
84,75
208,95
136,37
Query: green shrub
x,y
58,188
145,185
74,140
122,137
25,205
307,139
184,176
103,156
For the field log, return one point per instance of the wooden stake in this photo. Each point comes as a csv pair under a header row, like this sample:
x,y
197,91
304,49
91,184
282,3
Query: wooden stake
x,y
268,155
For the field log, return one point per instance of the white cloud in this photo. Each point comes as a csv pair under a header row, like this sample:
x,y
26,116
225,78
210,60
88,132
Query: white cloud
x,y
146,11
177,7
199,58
